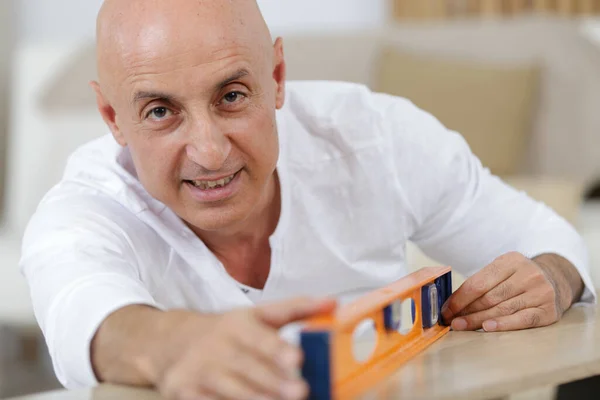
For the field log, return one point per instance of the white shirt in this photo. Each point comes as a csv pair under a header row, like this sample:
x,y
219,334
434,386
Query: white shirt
x,y
361,174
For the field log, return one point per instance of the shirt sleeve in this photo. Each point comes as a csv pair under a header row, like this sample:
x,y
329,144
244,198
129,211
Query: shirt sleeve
x,y
462,215
80,267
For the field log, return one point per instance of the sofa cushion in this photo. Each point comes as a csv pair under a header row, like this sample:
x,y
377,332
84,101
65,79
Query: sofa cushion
x,y
492,106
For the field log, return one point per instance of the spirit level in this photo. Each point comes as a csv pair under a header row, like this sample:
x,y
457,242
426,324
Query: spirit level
x,y
330,367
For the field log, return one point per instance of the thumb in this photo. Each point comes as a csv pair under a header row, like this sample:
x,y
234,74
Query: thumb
x,y
285,312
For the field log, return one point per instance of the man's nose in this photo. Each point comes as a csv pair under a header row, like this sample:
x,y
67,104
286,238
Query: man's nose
x,y
208,146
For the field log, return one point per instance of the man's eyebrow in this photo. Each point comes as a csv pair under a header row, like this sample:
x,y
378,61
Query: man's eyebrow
x,y
144,95
234,77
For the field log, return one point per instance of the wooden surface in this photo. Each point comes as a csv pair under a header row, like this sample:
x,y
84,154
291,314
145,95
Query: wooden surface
x,y
477,365
465,365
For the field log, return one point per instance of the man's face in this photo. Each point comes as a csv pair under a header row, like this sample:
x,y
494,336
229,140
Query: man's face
x,y
198,117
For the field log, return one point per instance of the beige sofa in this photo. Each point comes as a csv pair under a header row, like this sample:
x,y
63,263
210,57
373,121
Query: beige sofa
x,y
563,137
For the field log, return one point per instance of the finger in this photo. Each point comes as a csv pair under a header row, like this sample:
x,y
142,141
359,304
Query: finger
x,y
475,321
479,284
176,387
266,343
512,287
524,319
223,385
195,396
279,389
282,313
265,377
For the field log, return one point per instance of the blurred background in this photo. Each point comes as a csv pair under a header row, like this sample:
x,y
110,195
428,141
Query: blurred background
x,y
520,79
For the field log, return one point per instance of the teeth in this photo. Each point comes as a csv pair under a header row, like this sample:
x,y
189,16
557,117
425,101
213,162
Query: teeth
x,y
205,185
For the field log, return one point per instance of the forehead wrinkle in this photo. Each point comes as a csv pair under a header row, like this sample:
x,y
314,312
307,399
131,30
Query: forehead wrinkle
x,y
148,74
177,62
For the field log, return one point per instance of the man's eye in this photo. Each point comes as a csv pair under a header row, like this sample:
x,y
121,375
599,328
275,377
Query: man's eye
x,y
232,97
158,113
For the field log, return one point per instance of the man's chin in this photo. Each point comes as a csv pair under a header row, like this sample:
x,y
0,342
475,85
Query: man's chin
x,y
221,219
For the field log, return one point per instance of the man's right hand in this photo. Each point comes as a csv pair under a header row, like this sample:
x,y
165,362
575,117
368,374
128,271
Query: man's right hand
x,y
233,356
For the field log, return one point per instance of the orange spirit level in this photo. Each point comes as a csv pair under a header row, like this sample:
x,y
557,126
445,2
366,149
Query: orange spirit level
x,y
331,369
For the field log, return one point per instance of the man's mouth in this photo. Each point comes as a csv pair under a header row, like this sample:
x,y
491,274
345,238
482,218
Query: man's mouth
x,y
207,185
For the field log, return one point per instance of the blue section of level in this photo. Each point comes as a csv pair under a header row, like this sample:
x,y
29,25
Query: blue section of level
x,y
444,287
316,369
426,306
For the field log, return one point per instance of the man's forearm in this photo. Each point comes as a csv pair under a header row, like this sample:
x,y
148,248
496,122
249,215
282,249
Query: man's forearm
x,y
126,348
184,354
568,282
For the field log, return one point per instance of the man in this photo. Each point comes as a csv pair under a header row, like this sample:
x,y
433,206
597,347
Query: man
x,y
222,204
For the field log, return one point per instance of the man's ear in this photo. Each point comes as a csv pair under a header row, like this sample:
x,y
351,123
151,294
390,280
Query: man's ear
x,y
279,73
108,114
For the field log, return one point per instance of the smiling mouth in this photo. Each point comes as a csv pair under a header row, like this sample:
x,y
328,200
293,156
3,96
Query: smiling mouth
x,y
208,185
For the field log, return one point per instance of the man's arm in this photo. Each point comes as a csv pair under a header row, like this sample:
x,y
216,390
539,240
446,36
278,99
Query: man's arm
x,y
463,216
236,355
102,324
515,292
80,266
125,349
569,285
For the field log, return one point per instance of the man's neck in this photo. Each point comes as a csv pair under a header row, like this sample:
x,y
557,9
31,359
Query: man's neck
x,y
245,250
257,228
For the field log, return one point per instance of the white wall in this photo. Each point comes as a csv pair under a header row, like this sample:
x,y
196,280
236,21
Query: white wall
x,y
591,28
310,15
44,20
6,45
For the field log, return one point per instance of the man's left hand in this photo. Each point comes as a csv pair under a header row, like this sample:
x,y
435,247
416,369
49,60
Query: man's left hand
x,y
513,293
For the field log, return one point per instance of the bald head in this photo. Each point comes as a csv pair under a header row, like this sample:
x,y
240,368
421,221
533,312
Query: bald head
x,y
133,32
191,88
